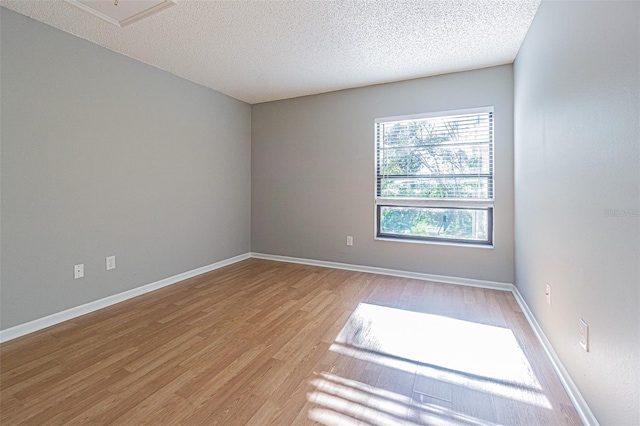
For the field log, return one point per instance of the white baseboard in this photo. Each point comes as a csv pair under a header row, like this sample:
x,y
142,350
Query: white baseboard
x,y
585,413
53,319
578,401
493,285
570,387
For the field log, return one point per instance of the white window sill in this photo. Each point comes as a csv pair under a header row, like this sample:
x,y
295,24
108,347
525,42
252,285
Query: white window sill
x,y
437,243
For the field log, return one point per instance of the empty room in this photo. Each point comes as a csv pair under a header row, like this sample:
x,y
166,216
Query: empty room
x,y
319,212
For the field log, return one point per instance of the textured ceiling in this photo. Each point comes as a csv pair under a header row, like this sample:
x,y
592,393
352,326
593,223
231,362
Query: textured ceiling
x,y
259,51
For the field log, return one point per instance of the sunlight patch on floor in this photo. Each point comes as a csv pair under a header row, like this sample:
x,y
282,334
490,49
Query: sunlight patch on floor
x,y
348,402
442,353
479,356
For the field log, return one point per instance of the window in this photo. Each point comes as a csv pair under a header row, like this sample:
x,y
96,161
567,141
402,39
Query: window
x,y
434,177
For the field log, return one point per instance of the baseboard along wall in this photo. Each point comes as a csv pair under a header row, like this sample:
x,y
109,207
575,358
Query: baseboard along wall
x,y
58,317
586,415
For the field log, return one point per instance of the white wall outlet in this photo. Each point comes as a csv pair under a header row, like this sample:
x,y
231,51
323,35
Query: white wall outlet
x,y
349,240
584,335
78,271
111,263
548,294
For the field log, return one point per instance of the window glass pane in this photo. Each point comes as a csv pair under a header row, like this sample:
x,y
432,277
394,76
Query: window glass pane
x,y
440,223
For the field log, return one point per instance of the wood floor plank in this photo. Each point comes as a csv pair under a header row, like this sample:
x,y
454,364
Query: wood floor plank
x,y
264,414
255,343
71,404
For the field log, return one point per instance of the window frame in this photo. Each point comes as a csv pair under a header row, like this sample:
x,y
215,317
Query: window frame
x,y
487,204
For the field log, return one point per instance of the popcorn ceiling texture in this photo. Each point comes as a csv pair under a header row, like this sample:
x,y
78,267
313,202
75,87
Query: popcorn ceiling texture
x,y
260,51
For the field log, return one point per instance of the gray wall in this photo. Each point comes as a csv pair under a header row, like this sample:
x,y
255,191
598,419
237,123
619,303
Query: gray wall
x,y
103,155
313,174
577,158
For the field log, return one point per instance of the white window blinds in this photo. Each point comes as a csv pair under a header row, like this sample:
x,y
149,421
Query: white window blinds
x,y
442,157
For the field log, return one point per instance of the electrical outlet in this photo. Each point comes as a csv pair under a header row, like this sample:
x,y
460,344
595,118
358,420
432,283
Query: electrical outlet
x,y
111,262
584,335
548,294
349,240
78,271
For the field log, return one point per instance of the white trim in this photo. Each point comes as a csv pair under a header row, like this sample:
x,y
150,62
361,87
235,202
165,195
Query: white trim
x,y
493,285
581,406
53,319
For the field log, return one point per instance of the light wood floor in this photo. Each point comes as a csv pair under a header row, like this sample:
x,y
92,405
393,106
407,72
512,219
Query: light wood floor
x,y
262,342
